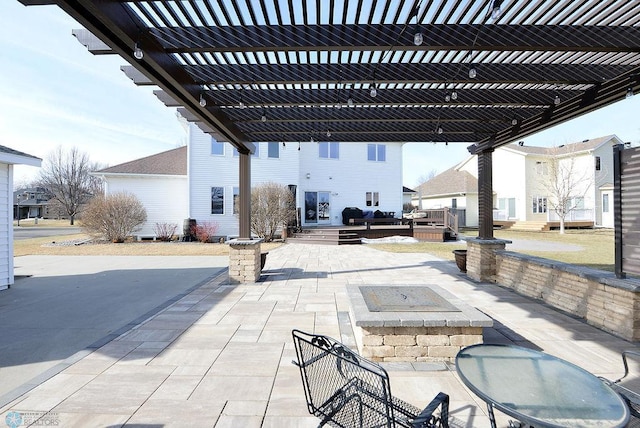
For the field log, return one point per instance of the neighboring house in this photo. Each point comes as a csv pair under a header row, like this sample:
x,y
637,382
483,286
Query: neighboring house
x,y
456,189
407,195
519,174
30,202
327,177
159,182
9,158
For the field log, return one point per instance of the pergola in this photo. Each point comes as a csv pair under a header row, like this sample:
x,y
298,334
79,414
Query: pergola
x,y
482,73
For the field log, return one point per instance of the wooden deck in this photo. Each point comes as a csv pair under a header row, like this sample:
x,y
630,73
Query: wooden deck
x,y
339,235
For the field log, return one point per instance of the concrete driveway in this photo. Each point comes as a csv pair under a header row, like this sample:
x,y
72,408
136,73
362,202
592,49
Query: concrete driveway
x,y
61,305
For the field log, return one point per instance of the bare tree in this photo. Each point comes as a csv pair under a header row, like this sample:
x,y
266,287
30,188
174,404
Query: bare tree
x,y
426,177
66,176
567,182
270,208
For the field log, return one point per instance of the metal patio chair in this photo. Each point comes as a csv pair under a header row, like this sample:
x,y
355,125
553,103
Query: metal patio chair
x,y
631,397
345,390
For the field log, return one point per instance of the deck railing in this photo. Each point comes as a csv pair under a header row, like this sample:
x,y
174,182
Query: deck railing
x,y
442,217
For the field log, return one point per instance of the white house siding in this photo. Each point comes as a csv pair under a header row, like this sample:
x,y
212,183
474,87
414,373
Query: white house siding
x,y
509,182
164,197
350,177
206,171
6,227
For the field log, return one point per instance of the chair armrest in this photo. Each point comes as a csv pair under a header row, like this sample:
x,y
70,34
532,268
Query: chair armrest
x,y
426,418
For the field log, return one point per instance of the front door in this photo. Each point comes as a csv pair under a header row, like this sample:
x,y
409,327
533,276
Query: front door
x,y
317,208
607,208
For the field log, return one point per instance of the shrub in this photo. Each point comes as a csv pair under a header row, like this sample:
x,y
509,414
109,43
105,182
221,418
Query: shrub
x,y
164,231
115,216
205,231
271,207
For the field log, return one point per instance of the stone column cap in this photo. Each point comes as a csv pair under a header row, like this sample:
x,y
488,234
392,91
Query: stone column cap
x,y
245,241
481,241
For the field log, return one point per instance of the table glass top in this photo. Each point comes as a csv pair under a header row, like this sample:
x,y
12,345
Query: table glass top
x,y
538,388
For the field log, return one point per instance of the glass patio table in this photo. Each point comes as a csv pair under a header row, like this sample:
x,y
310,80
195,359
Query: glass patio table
x,y
539,389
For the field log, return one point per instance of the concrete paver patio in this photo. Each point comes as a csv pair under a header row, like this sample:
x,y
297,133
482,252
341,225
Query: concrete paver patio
x,y
221,356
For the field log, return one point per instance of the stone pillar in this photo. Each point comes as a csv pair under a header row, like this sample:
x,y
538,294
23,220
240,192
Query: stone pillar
x,y
244,260
481,258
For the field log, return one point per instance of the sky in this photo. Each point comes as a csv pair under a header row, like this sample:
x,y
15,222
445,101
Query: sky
x,y
53,92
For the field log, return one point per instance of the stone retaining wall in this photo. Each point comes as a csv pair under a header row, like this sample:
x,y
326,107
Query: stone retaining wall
x,y
394,344
598,297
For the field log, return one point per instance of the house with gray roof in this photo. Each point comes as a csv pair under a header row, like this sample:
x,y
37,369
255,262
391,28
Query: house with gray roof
x,y
454,188
159,181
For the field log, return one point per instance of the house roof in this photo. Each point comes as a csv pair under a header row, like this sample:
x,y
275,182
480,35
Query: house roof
x,y
11,156
450,181
584,145
171,162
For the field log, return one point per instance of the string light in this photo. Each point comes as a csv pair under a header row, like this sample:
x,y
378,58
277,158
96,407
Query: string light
x,y
328,134
514,121
418,38
137,52
203,102
629,92
440,130
447,97
473,72
454,95
373,91
495,9
263,118
350,102
556,100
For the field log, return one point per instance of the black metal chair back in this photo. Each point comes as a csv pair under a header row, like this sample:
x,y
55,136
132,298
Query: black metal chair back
x,y
346,390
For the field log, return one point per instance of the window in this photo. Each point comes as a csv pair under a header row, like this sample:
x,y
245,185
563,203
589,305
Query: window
x,y
217,148
329,150
373,199
539,205
541,168
605,202
377,152
576,203
236,200
217,200
256,153
273,150
597,163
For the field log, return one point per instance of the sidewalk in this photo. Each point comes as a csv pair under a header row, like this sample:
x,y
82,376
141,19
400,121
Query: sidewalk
x,y
221,356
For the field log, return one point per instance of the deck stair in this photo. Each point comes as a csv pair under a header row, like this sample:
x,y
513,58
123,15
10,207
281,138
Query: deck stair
x,y
326,236
530,226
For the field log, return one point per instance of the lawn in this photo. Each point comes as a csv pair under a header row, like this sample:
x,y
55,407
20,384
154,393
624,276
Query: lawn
x,y
597,246
63,246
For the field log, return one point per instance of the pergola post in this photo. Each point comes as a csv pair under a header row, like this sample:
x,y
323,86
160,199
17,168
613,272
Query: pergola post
x,y
244,209
485,194
244,253
481,252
